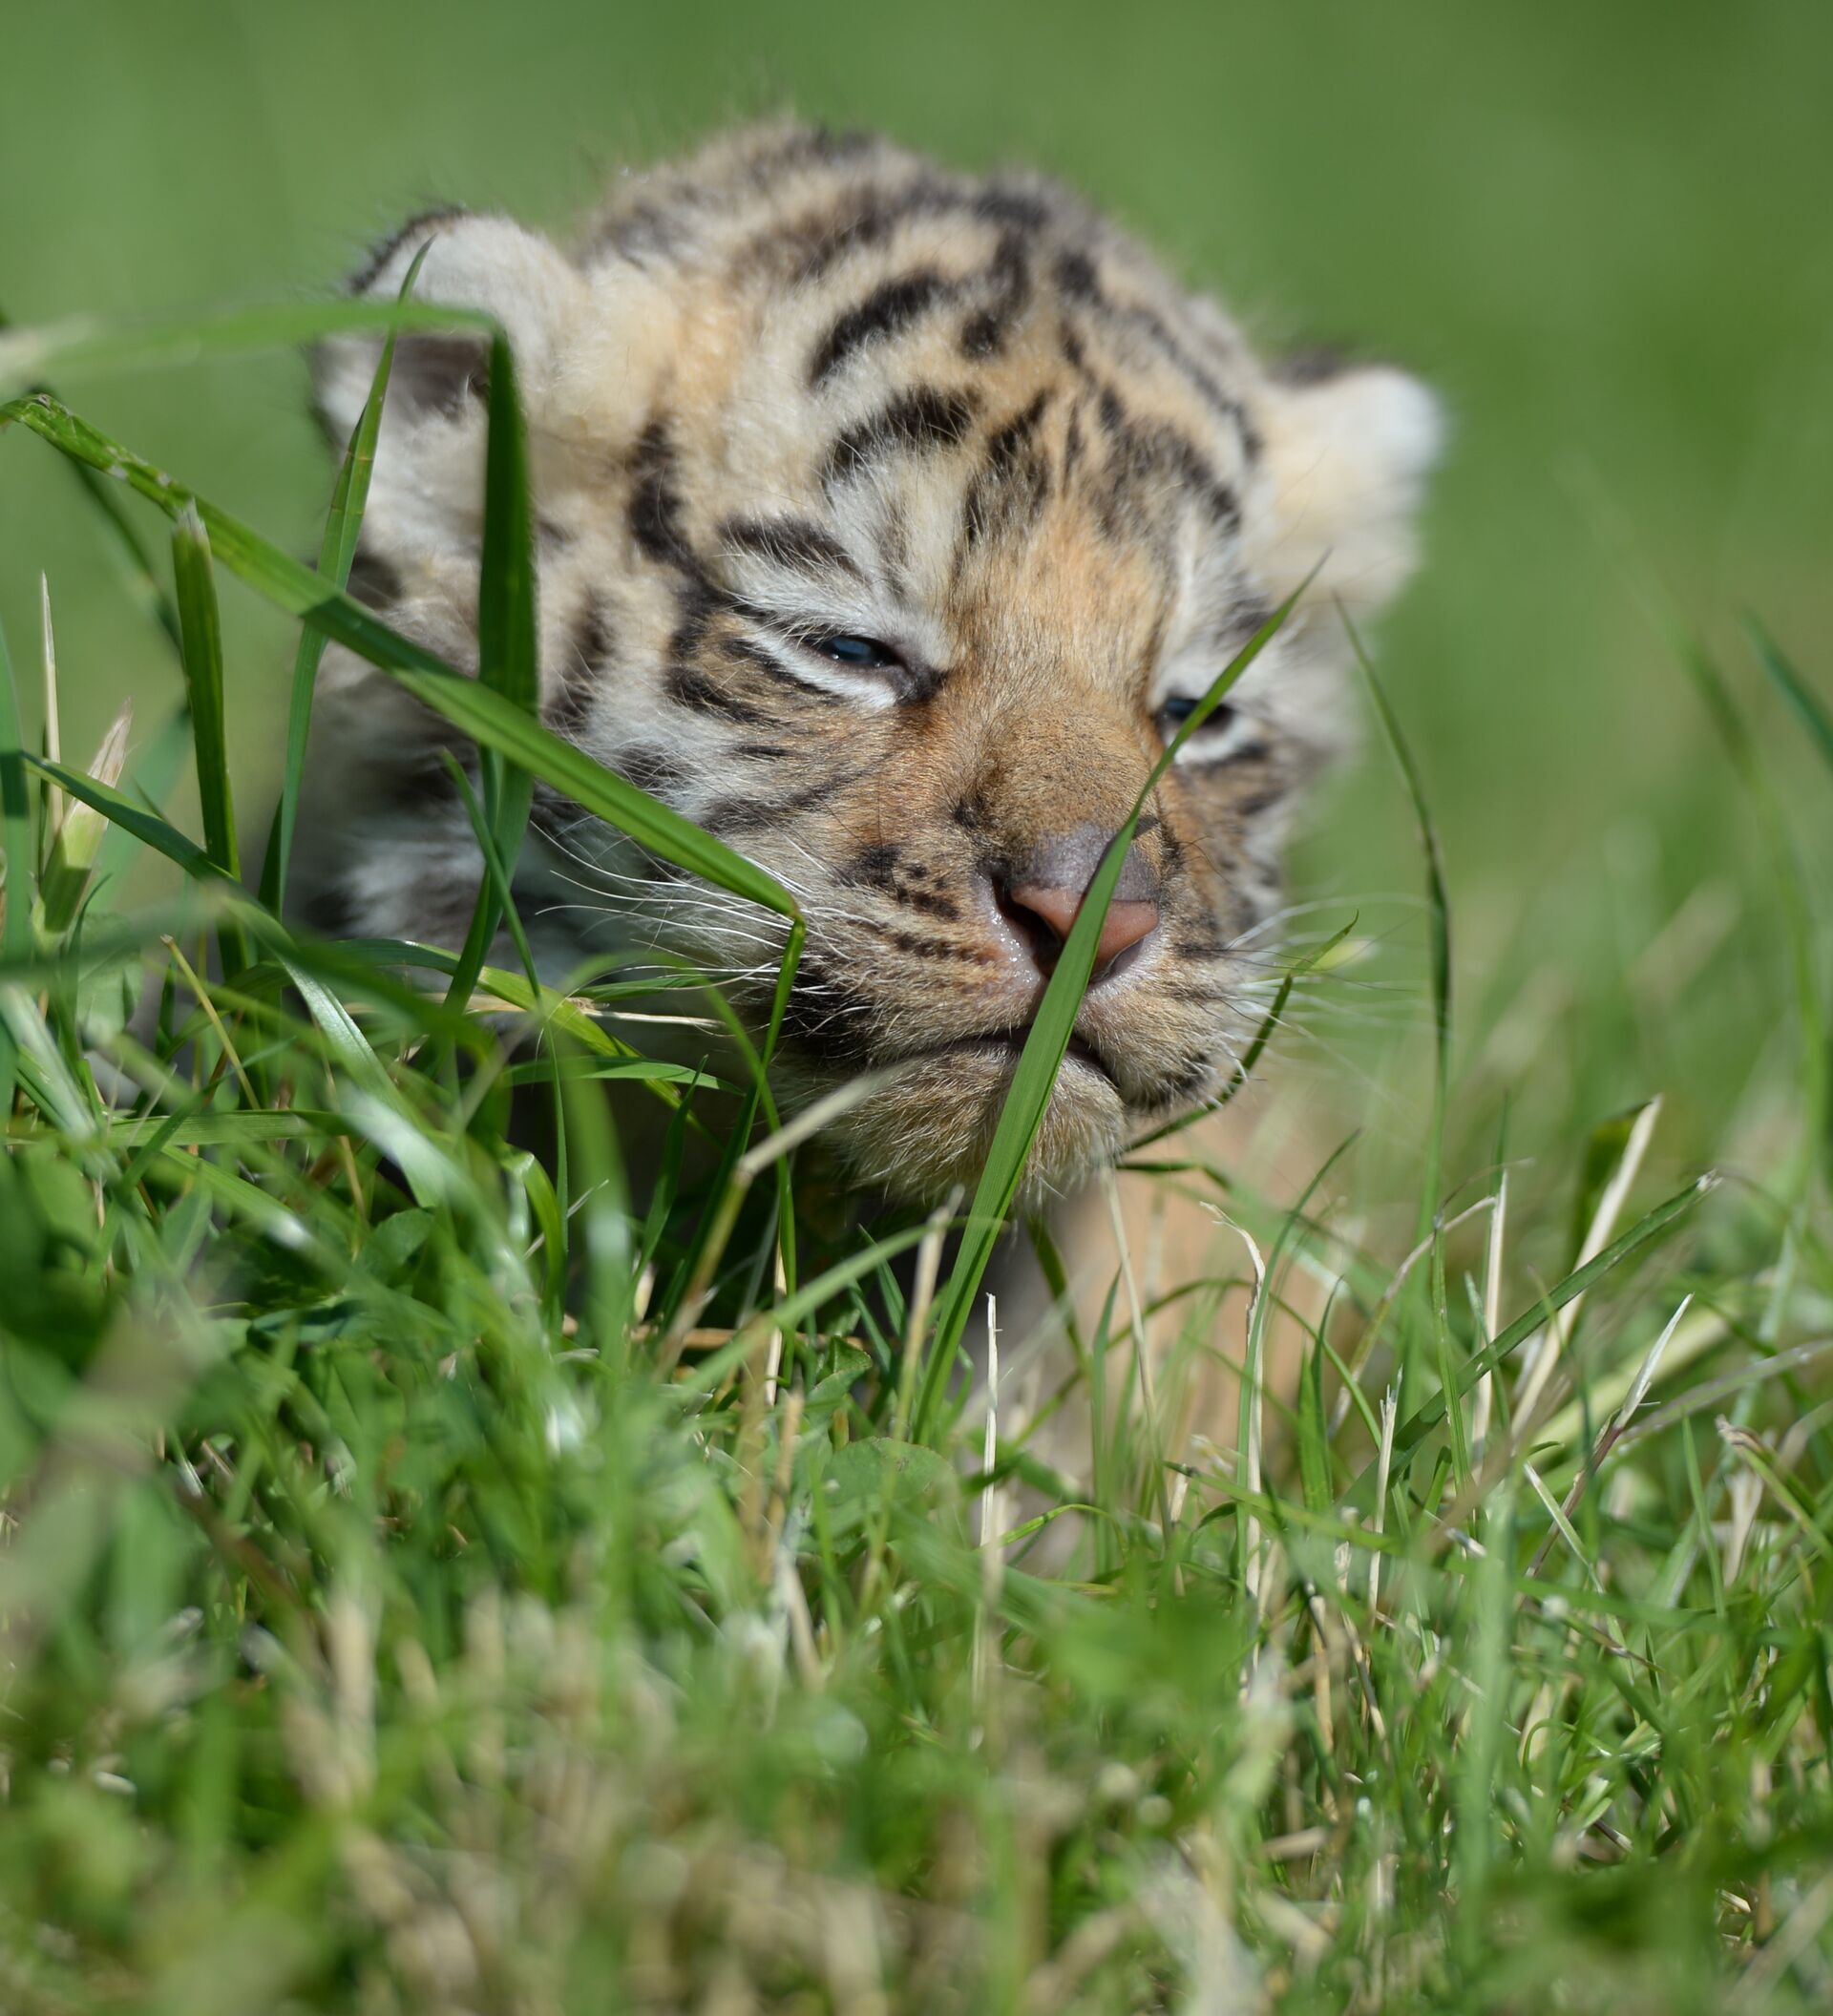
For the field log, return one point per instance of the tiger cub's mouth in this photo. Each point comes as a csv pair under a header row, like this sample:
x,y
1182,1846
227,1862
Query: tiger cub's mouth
x,y
928,1125
1006,1047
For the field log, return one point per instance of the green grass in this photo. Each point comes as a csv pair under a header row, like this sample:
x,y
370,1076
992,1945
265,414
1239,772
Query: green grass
x,y
434,1578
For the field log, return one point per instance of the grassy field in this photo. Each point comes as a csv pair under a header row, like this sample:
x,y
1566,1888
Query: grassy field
x,y
431,1583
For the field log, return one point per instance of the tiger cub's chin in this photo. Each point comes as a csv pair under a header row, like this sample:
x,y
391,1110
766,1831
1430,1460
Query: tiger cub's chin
x,y
924,1130
891,522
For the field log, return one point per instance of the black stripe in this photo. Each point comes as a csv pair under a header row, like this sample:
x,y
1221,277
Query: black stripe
x,y
983,334
698,602
648,230
332,912
1010,488
883,866
655,501
688,687
921,946
931,901
582,665
914,423
419,786
752,815
790,542
874,864
1075,275
1141,453
1078,279
928,948
425,225
650,769
1204,940
816,1019
815,241
891,306
1254,803
1072,443
748,652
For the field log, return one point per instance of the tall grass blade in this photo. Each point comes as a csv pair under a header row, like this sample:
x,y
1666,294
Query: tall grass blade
x,y
1792,897
16,896
201,634
336,553
1438,923
90,343
1042,1058
484,716
202,627
1809,708
1650,1227
133,556
132,553
145,827
507,660
77,842
16,818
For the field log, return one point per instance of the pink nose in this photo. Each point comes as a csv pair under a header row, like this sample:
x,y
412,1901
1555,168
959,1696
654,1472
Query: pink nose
x,y
1042,896
1056,910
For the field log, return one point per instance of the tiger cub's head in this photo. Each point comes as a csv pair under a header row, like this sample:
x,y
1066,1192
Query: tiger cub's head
x,y
889,521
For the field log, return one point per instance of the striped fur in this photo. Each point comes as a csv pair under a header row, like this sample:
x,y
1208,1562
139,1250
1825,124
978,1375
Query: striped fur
x,y
804,388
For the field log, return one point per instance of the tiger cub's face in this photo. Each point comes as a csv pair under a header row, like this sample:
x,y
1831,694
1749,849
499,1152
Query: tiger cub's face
x,y
890,524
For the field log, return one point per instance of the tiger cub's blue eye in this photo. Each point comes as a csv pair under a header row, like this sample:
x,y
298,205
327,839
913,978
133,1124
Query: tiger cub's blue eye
x,y
860,651
1178,709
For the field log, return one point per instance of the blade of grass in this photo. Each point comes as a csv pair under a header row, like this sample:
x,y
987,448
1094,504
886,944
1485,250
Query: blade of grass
x,y
133,556
151,782
807,1301
1428,1417
1792,897
16,832
200,633
337,551
91,343
507,662
132,553
484,716
1439,919
15,817
1048,1038
201,628
146,827
78,841
1446,1364
1809,708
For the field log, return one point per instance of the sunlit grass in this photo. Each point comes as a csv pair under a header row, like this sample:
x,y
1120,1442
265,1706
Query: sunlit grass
x,y
434,1577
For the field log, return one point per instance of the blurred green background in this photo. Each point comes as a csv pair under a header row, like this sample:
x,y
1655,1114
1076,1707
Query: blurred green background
x,y
1601,230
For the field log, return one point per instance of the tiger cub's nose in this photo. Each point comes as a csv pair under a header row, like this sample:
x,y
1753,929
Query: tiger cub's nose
x,y
1046,893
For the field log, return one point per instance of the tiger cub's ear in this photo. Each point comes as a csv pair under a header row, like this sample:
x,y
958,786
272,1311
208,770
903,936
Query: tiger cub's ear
x,y
488,262
1348,451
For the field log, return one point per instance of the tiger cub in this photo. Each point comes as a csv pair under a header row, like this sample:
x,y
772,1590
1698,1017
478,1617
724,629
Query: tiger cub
x,y
891,520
